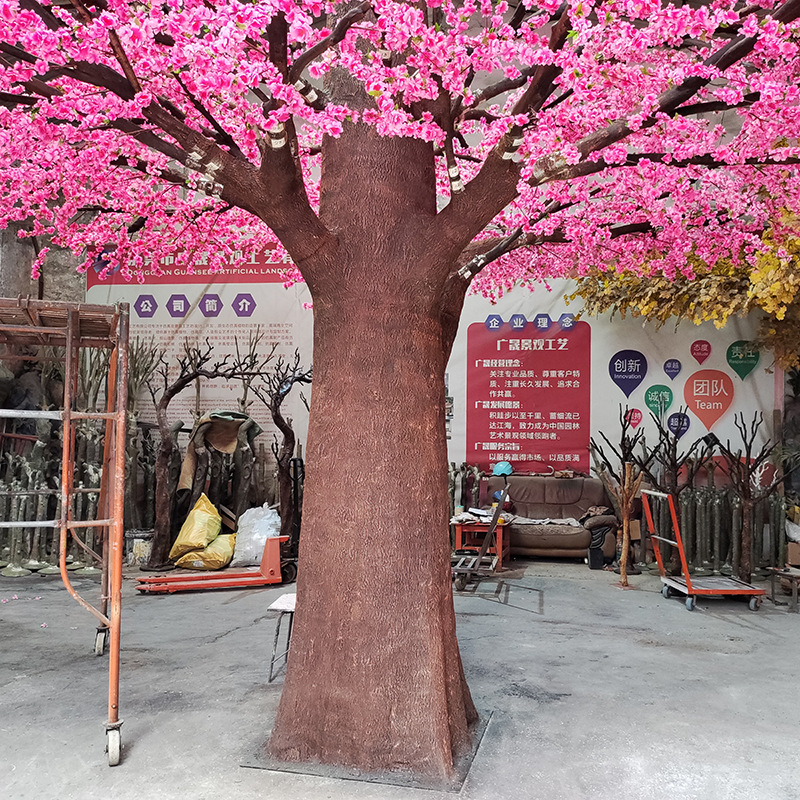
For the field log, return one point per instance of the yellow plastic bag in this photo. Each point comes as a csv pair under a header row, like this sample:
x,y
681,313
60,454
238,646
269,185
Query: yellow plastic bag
x,y
216,556
202,526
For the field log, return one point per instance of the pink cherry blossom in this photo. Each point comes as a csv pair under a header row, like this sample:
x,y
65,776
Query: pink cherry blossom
x,y
91,164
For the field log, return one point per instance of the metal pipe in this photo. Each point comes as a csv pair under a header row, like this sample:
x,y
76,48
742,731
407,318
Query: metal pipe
x,y
67,464
15,413
120,373
30,524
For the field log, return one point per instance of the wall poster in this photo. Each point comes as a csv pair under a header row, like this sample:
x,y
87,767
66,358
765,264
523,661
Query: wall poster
x,y
528,393
225,307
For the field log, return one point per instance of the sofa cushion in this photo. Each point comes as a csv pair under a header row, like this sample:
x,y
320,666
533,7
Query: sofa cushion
x,y
557,541
601,521
536,496
548,537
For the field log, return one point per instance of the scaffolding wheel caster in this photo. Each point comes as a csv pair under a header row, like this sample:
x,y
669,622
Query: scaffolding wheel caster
x,y
460,583
113,746
690,603
665,591
100,641
755,603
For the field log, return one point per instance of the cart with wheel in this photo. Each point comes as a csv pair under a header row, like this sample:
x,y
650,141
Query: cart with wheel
x,y
683,584
271,570
467,565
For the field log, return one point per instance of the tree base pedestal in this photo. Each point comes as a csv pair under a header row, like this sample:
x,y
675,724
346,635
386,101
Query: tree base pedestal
x,y
262,760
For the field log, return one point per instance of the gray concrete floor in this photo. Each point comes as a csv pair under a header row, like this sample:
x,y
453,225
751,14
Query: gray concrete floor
x,y
594,693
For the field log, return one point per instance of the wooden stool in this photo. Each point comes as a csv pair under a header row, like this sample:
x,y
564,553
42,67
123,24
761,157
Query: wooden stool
x,y
285,605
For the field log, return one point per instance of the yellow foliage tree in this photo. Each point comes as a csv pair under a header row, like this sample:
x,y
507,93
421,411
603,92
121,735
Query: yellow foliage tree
x,y
771,286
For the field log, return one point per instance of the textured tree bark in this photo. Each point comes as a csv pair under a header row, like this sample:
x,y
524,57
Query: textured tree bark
x,y
283,456
166,467
746,557
374,678
625,503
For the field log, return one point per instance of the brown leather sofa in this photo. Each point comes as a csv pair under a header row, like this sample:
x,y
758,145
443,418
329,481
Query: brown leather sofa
x,y
537,497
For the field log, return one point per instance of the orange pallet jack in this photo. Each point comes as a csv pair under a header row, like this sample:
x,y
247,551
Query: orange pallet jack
x,y
714,585
270,571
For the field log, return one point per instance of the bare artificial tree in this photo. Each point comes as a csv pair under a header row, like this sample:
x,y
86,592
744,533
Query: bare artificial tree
x,y
195,363
275,389
672,471
251,365
622,476
747,469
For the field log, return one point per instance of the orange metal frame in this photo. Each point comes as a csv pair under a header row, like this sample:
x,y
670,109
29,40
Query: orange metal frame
x,y
721,586
76,326
470,536
268,572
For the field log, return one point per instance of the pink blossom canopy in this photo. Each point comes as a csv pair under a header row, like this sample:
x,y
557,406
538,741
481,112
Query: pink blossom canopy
x,y
643,132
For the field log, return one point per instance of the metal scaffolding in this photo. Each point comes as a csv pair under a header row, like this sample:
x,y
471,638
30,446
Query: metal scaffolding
x,y
75,326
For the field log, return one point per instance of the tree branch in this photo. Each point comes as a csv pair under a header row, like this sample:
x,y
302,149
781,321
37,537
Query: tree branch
x,y
338,33
541,85
670,100
45,14
718,105
505,85
585,168
496,248
222,135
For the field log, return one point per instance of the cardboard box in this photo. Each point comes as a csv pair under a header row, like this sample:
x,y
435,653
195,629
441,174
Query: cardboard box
x,y
636,530
793,554
229,519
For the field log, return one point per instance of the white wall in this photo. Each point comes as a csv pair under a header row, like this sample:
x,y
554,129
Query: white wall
x,y
756,392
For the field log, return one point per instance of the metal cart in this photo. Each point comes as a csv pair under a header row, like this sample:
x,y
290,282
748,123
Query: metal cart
x,y
271,570
467,565
73,326
716,585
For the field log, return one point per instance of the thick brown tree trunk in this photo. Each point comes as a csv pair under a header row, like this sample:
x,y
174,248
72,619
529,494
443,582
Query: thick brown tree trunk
x,y
374,676
167,468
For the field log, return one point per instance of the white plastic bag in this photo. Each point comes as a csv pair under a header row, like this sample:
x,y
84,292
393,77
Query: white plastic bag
x,y
255,526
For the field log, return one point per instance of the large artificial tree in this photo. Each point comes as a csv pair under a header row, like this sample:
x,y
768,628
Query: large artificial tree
x,y
397,152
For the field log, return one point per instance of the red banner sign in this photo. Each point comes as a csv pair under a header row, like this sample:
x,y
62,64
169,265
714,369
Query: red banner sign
x,y
528,395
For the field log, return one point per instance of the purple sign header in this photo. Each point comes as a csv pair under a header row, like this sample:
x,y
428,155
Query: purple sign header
x,y
672,367
678,423
627,369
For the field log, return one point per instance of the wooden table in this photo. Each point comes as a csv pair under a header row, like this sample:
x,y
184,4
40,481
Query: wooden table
x,y
469,536
792,574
